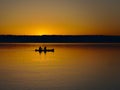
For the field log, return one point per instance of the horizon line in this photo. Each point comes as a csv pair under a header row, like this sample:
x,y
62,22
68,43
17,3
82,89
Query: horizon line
x,y
57,35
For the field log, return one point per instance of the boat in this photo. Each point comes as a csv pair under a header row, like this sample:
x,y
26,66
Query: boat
x,y
47,50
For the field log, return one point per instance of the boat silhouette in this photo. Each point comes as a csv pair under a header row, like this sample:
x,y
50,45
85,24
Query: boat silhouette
x,y
44,50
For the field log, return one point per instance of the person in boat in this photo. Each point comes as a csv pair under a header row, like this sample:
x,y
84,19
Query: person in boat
x,y
40,49
45,48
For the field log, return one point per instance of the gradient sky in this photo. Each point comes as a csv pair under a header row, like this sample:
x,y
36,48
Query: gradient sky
x,y
36,17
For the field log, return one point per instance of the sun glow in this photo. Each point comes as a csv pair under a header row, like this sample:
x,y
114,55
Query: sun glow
x,y
43,31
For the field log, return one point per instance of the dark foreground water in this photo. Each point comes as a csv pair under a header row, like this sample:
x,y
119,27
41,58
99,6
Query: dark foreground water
x,y
70,67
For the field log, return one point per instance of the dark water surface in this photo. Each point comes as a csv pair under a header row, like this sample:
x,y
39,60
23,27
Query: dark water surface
x,y
70,67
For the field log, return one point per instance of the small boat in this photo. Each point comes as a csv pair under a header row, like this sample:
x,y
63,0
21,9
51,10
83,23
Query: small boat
x,y
47,50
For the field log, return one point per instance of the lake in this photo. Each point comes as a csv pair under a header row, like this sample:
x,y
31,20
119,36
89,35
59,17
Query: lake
x,y
70,67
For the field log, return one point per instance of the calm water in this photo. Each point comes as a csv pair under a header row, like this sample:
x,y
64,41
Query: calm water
x,y
70,67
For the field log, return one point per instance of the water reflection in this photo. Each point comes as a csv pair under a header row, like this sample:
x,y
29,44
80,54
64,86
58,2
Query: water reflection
x,y
71,67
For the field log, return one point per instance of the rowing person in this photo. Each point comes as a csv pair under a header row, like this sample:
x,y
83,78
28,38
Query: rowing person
x,y
45,48
40,49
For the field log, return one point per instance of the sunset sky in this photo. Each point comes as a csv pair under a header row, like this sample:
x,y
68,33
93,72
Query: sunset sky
x,y
77,17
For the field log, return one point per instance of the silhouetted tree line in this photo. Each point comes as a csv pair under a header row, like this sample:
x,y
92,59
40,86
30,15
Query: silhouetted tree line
x,y
59,39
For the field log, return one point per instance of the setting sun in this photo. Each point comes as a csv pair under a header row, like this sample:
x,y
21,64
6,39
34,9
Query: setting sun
x,y
42,31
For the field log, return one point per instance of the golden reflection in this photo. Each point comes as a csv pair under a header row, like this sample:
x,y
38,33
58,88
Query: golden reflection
x,y
69,65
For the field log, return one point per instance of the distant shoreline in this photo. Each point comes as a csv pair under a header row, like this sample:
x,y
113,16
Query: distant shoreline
x,y
59,39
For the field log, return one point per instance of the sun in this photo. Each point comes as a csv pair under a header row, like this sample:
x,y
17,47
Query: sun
x,y
42,31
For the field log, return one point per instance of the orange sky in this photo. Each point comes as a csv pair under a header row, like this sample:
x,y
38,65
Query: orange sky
x,y
38,17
